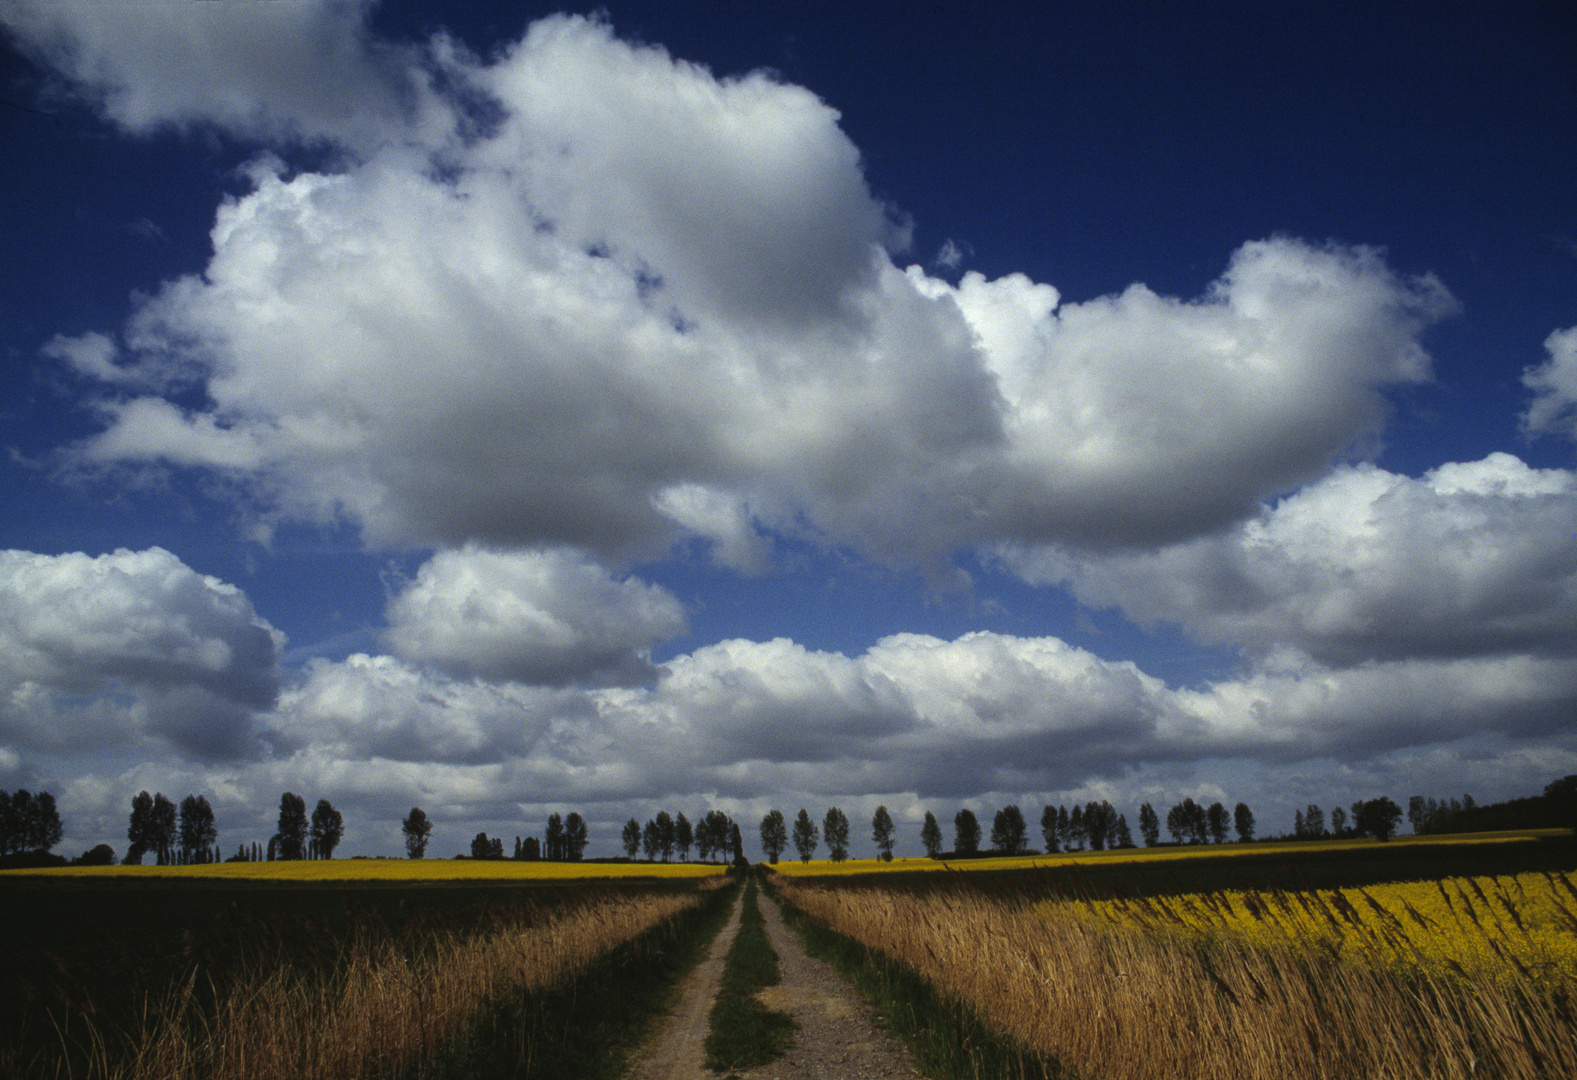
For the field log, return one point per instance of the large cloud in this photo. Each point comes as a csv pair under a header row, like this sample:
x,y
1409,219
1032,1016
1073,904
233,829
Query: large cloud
x,y
304,69
134,642
1472,559
550,617
649,301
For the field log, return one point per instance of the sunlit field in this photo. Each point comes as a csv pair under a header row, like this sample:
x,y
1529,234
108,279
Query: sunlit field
x,y
1506,929
1458,976
398,870
295,970
819,867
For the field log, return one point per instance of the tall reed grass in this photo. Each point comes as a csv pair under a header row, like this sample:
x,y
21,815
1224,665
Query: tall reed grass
x,y
384,1010
1137,1001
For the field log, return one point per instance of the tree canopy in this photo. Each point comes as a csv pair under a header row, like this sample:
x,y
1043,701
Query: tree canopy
x,y
805,837
835,830
417,830
774,835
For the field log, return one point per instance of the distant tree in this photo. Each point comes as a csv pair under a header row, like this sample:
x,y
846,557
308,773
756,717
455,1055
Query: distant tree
x,y
98,855
1048,829
666,835
1100,822
531,848
1188,821
931,835
139,829
1243,822
1076,831
481,847
328,826
632,837
1560,802
835,830
966,832
292,826
717,827
651,840
1338,821
1378,818
1124,836
684,836
417,830
707,839
1314,822
1065,828
805,837
882,832
774,835
28,822
1298,830
555,837
1218,821
737,842
12,830
1149,825
162,819
197,834
1417,814
575,837
1008,831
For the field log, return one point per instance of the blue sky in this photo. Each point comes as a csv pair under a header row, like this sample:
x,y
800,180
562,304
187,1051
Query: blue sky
x,y
504,408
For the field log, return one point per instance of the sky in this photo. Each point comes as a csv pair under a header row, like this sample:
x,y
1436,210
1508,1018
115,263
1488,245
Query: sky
x,y
508,409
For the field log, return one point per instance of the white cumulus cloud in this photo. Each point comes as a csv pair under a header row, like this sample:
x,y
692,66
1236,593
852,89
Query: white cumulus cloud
x,y
1554,386
547,617
1473,558
130,643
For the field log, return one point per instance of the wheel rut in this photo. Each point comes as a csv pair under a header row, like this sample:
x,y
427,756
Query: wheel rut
x,y
840,1035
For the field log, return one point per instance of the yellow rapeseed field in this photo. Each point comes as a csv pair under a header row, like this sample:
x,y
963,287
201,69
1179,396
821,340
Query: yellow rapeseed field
x,y
818,868
400,870
1253,987
1508,929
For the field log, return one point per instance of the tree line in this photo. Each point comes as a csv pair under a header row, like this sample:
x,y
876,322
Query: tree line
x,y
1555,808
1094,826
664,836
28,822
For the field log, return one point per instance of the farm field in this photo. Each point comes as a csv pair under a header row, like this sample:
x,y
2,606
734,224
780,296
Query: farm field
x,y
173,974
394,870
1379,970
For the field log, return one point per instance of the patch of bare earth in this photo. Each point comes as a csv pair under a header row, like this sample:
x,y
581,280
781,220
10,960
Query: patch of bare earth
x,y
840,1037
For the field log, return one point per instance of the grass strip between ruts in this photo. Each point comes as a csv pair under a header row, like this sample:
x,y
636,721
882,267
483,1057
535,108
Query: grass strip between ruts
x,y
585,1027
744,1032
948,1039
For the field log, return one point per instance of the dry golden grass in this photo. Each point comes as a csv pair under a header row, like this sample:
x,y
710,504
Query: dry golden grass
x,y
1138,1002
398,870
385,1009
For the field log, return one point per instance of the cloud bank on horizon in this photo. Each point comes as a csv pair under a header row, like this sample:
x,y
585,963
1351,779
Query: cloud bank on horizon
x,y
548,315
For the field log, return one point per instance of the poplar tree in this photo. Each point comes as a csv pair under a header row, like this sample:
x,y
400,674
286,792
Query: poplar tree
x,y
966,833
417,830
1243,821
805,838
931,836
774,835
1149,825
1048,829
835,830
882,832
